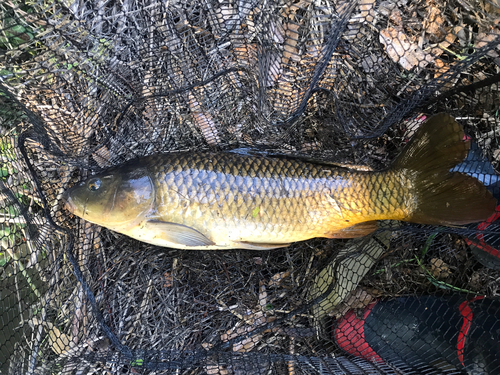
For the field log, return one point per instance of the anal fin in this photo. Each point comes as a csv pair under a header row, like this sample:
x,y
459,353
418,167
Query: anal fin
x,y
259,245
354,231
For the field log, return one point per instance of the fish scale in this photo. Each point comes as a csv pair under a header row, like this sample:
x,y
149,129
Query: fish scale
x,y
252,199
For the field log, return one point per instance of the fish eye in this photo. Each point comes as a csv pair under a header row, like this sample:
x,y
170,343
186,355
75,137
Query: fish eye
x,y
94,184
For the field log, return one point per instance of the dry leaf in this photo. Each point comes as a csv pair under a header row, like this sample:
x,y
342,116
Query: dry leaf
x,y
277,31
246,345
216,370
385,8
366,14
439,269
370,63
434,25
253,321
274,69
311,146
396,17
58,341
366,8
292,37
441,68
102,157
278,278
492,7
262,296
169,280
302,4
258,260
357,299
402,51
496,154
204,122
227,16
483,39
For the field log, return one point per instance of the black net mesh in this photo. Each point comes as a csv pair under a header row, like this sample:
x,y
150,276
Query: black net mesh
x,y
87,85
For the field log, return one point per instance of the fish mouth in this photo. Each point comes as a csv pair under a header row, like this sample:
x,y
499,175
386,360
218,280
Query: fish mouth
x,y
68,202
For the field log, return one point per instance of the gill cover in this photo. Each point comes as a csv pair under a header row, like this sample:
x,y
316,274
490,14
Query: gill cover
x,y
114,198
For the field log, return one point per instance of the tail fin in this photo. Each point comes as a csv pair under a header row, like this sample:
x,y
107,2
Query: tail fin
x,y
443,197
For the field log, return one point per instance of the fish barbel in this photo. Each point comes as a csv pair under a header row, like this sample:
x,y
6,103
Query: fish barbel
x,y
203,200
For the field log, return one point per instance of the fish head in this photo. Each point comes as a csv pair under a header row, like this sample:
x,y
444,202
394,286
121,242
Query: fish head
x,y
112,199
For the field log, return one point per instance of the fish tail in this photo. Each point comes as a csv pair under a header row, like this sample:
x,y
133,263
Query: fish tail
x,y
441,197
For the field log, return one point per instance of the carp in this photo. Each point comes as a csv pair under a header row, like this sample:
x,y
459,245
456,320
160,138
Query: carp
x,y
225,200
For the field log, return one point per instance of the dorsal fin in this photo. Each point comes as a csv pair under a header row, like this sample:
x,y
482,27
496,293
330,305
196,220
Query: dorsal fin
x,y
264,152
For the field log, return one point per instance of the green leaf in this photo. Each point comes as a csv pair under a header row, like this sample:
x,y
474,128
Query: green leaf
x,y
16,41
4,231
255,211
137,362
18,29
4,172
4,258
13,212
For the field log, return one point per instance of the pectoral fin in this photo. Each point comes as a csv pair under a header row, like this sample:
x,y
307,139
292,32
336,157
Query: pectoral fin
x,y
259,245
177,233
356,230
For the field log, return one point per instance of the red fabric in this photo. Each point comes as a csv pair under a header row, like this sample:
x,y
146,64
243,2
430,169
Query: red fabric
x,y
350,335
466,313
480,236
